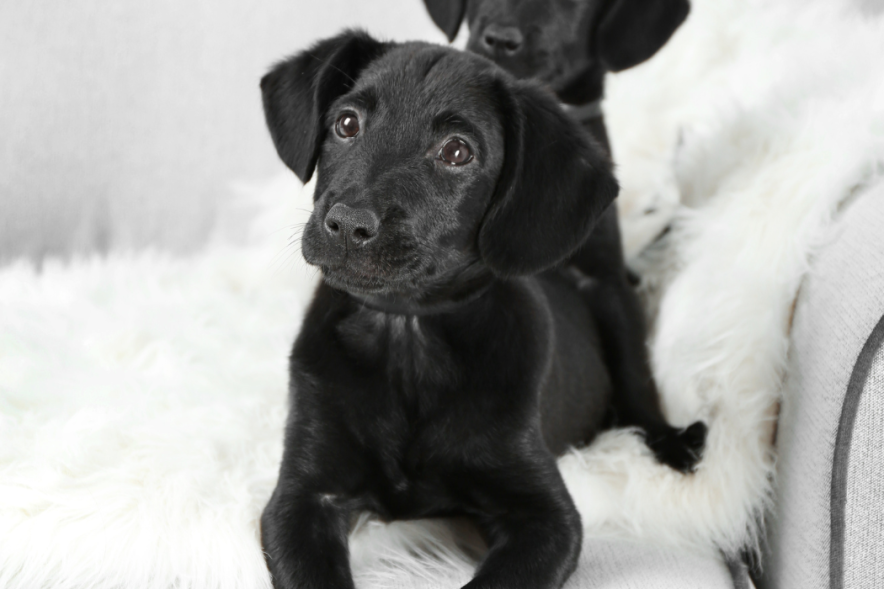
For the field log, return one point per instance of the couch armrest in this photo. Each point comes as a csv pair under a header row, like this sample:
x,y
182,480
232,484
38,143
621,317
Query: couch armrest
x,y
826,529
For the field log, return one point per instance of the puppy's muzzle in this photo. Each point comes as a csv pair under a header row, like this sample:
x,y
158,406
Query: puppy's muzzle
x,y
501,40
348,228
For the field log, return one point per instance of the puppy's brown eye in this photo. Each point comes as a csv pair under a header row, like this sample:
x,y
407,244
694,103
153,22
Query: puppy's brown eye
x,y
456,152
347,125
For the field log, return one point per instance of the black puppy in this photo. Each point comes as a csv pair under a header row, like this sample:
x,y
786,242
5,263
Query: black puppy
x,y
569,45
442,364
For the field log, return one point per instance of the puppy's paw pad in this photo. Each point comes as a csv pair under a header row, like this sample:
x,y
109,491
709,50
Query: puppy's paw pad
x,y
679,449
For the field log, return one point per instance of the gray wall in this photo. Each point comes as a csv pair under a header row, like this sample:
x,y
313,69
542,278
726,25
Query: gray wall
x,y
125,124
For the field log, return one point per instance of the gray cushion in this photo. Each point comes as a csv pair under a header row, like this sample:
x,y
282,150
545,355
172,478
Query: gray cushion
x,y
840,303
605,563
625,564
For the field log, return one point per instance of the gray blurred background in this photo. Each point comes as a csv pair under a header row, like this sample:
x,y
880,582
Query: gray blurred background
x,y
128,124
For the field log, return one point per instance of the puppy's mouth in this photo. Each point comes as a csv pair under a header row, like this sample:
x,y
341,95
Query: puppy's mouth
x,y
555,77
358,278
412,281
414,294
535,67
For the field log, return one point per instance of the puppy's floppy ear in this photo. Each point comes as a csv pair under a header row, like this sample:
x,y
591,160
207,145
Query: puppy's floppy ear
x,y
631,31
299,90
447,14
554,185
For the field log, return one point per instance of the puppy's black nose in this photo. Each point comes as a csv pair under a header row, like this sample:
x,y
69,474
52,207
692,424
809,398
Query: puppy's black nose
x,y
500,39
357,226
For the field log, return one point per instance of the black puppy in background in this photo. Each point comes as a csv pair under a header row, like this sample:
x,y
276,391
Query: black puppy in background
x,y
444,362
568,46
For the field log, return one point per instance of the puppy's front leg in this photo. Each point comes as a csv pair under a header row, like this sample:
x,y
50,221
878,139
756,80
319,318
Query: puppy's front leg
x,y
535,537
304,535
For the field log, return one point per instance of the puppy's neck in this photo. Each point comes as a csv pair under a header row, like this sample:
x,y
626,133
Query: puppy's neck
x,y
445,298
582,97
582,87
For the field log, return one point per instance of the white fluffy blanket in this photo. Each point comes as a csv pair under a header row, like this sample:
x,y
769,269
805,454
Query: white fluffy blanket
x,y
142,397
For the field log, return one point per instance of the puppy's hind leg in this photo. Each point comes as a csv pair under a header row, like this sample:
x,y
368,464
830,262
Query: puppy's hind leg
x,y
619,316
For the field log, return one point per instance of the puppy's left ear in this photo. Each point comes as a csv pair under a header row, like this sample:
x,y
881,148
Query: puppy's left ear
x,y
299,90
631,31
554,185
447,14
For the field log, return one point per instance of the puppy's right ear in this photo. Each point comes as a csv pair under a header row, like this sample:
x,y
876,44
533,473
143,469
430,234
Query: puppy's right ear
x,y
447,14
631,31
555,183
298,91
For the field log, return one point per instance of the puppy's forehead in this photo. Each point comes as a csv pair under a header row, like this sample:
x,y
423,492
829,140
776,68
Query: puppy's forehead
x,y
423,79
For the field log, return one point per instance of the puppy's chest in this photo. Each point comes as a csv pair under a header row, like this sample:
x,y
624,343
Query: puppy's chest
x,y
407,389
404,355
406,479
406,469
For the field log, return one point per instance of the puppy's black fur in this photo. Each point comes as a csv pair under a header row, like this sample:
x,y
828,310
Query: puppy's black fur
x,y
444,362
569,45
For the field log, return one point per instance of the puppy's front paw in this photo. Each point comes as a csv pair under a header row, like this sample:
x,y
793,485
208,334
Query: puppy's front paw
x,y
678,449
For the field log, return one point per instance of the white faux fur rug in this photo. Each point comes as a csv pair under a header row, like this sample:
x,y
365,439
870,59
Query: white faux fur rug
x,y
142,397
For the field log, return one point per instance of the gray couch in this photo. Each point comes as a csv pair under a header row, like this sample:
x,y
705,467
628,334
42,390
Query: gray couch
x,y
827,529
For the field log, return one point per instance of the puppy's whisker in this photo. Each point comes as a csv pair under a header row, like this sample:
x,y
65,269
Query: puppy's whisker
x,y
283,258
286,228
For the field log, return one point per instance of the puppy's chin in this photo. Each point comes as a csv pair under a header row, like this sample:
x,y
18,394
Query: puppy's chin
x,y
554,73
557,78
357,284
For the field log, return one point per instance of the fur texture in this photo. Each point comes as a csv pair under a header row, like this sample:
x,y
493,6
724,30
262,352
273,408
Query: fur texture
x,y
142,397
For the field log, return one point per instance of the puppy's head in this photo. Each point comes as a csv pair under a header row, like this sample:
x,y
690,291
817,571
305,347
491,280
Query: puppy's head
x,y
562,41
430,161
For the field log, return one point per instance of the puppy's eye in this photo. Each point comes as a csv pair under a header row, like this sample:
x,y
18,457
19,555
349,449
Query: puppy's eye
x,y
456,152
347,125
